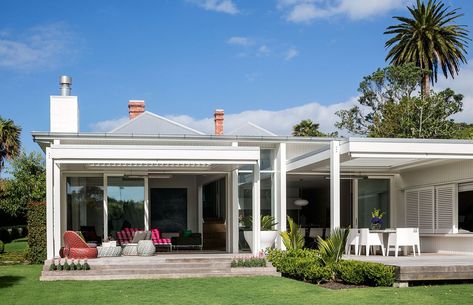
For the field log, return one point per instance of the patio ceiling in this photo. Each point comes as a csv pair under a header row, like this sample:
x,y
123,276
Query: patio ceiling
x,y
384,155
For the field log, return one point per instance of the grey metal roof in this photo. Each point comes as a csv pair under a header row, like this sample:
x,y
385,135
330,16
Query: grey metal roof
x,y
149,123
251,129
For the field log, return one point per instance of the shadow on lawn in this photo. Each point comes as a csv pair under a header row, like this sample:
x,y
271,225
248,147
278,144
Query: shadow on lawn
x,y
8,281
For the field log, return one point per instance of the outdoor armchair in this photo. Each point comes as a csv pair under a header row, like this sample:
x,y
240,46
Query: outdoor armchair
x,y
76,247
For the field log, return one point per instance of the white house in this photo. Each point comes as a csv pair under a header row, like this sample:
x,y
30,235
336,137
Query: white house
x,y
153,172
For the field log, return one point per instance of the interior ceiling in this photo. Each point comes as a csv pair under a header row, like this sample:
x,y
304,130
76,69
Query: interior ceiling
x,y
293,181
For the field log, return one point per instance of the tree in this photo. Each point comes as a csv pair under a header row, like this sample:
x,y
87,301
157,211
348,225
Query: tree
x,y
307,128
9,140
389,107
429,39
28,184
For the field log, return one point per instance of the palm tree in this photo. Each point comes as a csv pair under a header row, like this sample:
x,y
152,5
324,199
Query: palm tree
x,y
306,128
9,140
430,40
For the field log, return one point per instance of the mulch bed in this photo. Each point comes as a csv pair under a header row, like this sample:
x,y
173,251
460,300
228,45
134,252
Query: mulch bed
x,y
338,286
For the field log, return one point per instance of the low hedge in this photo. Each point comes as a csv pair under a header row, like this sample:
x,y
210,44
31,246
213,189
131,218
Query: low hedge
x,y
305,265
365,273
37,232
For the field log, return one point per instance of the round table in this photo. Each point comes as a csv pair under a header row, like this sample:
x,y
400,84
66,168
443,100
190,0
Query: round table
x,y
146,248
109,251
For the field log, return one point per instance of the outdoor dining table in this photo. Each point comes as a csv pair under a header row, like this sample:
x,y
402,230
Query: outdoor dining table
x,y
385,234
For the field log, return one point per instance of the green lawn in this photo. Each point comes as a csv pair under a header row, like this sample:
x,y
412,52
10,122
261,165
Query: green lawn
x,y
14,251
19,284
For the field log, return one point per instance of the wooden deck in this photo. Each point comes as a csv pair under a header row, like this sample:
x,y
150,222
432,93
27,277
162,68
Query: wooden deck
x,y
427,267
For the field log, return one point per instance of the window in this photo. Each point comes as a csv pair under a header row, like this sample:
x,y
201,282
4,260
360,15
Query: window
x,y
465,207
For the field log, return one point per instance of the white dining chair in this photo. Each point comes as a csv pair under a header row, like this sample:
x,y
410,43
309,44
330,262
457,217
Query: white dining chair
x,y
369,241
404,237
314,232
353,239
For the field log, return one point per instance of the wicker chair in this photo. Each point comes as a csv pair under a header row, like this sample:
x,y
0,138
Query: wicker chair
x,y
76,247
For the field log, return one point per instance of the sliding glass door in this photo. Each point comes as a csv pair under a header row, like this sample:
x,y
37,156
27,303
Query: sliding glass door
x,y
373,194
126,197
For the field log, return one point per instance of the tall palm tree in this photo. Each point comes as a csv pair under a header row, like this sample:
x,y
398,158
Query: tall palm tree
x,y
430,39
306,128
9,140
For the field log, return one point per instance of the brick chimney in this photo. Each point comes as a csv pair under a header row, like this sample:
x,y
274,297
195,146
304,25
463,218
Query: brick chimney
x,y
218,119
135,108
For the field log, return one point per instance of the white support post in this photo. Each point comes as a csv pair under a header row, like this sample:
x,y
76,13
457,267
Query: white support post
x,y
228,213
281,193
64,203
146,204
57,208
235,212
334,185
49,205
105,207
256,209
200,204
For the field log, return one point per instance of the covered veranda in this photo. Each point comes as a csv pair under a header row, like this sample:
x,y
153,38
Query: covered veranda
x,y
122,169
438,166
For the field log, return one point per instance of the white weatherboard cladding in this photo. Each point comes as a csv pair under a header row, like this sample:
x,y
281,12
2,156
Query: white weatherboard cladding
x,y
64,114
461,170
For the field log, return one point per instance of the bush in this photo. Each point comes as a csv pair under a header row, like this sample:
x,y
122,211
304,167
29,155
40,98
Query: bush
x,y
5,235
2,247
279,257
371,274
248,262
37,232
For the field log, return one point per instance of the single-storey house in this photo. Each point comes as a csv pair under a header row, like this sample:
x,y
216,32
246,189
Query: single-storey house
x,y
154,172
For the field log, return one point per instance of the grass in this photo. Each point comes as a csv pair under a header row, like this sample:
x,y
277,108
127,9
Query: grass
x,y
14,251
19,284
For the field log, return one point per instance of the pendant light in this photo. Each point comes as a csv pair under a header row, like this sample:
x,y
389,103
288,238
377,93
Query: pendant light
x,y
301,202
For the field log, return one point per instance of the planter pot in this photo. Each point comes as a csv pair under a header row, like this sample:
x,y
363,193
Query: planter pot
x,y
267,239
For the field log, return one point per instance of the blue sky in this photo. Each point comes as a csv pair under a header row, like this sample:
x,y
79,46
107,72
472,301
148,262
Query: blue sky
x,y
271,62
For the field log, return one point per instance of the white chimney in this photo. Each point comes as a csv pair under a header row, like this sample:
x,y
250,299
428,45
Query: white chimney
x,y
64,109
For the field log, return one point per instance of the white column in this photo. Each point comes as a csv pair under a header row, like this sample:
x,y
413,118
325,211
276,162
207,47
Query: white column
x,y
63,204
228,212
235,211
146,204
49,205
105,207
334,185
281,193
57,208
256,209
200,204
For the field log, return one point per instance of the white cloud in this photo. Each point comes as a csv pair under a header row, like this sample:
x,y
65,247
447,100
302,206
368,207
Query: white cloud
x,y
221,6
291,53
304,11
239,40
461,84
45,46
108,125
279,122
263,50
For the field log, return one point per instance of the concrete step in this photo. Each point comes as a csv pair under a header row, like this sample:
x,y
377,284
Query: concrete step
x,y
139,274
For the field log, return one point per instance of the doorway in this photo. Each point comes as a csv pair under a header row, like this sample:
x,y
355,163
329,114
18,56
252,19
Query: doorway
x,y
213,214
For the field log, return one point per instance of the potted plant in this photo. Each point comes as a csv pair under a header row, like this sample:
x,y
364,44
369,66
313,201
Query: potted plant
x,y
376,219
267,235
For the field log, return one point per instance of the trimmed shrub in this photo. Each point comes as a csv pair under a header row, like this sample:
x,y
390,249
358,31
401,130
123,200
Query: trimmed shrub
x,y
2,247
37,232
371,274
318,274
248,262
